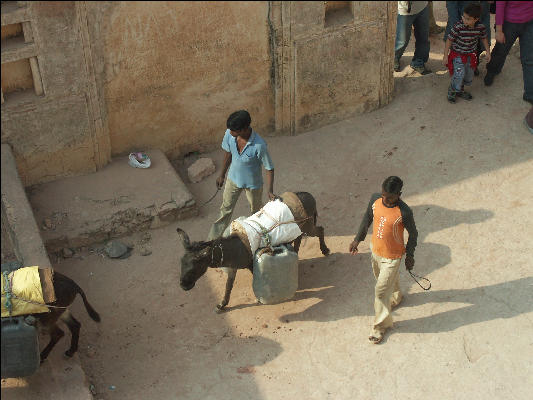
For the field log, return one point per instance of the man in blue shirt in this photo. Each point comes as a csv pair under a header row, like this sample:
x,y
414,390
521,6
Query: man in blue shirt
x,y
245,152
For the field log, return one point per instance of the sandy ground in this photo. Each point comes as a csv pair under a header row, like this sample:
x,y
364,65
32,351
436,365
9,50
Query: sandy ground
x,y
468,173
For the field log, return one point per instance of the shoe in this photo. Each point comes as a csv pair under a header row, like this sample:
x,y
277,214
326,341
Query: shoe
x,y
464,95
529,100
489,78
451,95
396,65
422,70
530,128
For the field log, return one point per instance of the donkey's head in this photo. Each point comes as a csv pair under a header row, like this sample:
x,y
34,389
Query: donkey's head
x,y
194,262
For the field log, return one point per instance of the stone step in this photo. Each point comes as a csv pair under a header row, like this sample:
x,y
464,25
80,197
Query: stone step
x,y
113,202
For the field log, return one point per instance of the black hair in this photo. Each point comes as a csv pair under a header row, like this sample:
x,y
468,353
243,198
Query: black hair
x,y
238,120
473,10
392,184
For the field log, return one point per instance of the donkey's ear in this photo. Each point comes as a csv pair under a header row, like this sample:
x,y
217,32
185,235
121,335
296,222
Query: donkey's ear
x,y
184,238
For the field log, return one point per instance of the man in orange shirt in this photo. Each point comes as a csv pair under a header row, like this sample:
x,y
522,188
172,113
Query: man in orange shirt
x,y
391,216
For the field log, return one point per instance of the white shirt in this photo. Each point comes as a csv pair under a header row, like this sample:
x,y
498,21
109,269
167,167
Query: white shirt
x,y
416,7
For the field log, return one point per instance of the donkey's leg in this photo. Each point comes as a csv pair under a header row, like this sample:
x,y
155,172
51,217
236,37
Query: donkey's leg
x,y
297,243
74,326
318,231
231,274
55,335
323,247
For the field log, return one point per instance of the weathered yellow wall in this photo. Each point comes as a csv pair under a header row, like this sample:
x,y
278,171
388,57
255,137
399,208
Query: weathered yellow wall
x,y
16,75
172,72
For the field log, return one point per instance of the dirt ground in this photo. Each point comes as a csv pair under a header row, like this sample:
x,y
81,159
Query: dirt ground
x,y
468,173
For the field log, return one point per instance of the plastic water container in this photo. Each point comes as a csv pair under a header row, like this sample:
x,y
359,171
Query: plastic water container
x,y
275,275
20,347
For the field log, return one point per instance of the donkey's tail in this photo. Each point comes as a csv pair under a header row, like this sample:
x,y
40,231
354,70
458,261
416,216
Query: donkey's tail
x,y
90,310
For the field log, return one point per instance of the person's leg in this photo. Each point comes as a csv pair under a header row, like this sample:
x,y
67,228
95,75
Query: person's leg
x,y
454,14
457,79
397,296
229,199
422,45
388,274
526,56
403,34
467,80
255,199
528,120
500,51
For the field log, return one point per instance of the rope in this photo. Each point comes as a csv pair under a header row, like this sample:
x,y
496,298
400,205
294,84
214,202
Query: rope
x,y
7,289
221,252
212,197
414,276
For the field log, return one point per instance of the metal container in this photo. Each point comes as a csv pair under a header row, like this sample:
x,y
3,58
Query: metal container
x,y
20,347
276,274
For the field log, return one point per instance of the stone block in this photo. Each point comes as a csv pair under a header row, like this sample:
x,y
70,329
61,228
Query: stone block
x,y
200,169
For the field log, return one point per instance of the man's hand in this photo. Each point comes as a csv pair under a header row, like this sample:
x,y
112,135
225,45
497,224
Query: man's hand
x,y
272,196
409,263
500,37
445,60
488,57
220,182
353,247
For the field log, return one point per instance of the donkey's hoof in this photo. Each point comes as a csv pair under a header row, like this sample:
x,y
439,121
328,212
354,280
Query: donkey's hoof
x,y
69,354
220,309
325,251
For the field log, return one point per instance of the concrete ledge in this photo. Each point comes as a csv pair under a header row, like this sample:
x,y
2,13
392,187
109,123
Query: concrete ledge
x,y
110,203
58,378
27,242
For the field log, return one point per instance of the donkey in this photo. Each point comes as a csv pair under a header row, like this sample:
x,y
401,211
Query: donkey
x,y
230,253
65,291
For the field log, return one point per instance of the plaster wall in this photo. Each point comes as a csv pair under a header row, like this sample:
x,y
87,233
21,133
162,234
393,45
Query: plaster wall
x,y
171,72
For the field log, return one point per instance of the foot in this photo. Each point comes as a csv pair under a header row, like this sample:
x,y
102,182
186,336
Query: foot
x,y
396,65
397,303
451,95
375,338
422,70
489,78
464,95
528,99
530,128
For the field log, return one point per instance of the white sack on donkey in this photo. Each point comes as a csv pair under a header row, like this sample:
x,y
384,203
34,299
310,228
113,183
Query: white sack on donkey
x,y
274,224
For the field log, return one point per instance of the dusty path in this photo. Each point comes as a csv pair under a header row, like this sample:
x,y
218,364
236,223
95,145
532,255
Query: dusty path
x,y
468,177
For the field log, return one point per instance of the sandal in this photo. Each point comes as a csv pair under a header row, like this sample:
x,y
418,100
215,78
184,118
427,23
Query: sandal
x,y
374,339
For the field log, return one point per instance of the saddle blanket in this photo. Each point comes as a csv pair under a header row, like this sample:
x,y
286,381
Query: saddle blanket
x,y
33,284
272,225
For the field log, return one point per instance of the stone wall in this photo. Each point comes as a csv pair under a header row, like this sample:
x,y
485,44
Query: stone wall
x,y
112,77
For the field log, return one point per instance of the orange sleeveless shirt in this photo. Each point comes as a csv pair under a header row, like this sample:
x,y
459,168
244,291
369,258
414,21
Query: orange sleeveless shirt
x,y
387,236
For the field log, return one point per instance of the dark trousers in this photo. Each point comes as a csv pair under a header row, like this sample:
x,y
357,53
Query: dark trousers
x,y
512,31
420,22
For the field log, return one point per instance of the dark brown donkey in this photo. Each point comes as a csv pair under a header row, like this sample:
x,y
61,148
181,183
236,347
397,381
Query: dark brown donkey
x,y
65,290
230,253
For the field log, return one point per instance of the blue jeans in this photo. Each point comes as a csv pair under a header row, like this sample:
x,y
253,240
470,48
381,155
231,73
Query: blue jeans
x,y
462,74
499,53
455,12
420,22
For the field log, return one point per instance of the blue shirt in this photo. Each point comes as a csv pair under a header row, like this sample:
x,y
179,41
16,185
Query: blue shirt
x,y
245,169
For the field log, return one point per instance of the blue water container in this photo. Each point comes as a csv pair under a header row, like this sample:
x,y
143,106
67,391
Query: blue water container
x,y
275,275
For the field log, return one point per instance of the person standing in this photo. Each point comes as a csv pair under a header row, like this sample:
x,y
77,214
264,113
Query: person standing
x,y
460,51
413,14
390,215
455,13
244,154
514,19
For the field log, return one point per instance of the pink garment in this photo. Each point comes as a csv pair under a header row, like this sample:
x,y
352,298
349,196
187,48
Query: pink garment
x,y
517,12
